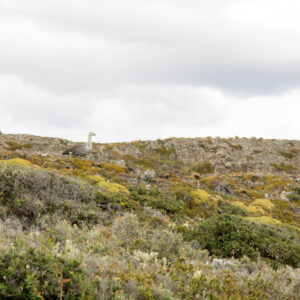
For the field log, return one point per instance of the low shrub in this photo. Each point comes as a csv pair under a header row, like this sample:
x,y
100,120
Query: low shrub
x,y
30,193
204,167
264,203
33,274
12,146
157,200
227,236
283,167
295,195
286,154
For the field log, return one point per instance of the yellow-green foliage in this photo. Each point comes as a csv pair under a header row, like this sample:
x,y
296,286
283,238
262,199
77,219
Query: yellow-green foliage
x,y
201,196
203,201
250,193
286,154
239,204
96,178
197,202
112,167
113,189
264,203
264,219
285,213
212,181
12,145
257,210
253,209
81,164
17,162
283,167
268,179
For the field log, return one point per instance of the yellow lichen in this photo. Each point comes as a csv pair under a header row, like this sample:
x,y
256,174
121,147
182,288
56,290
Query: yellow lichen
x,y
264,219
264,203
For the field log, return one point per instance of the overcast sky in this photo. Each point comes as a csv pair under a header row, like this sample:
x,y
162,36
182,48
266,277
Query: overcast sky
x,y
148,69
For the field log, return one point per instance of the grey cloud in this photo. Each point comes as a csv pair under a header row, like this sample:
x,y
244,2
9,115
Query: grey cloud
x,y
148,69
38,107
93,45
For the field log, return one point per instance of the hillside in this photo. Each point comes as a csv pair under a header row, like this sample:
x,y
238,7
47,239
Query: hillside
x,y
201,218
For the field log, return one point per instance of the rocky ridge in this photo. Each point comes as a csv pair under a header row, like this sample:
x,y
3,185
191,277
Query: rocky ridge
x,y
225,155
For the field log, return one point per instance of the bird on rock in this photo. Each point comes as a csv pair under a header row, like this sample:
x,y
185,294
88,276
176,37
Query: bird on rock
x,y
81,149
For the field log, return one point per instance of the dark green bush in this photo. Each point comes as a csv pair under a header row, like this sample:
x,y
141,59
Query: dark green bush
x,y
33,274
295,196
231,236
228,208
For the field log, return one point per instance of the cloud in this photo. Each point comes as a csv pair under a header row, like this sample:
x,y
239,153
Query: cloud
x,y
150,69
237,46
146,112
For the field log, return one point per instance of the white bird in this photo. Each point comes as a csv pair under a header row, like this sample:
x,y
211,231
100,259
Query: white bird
x,y
81,149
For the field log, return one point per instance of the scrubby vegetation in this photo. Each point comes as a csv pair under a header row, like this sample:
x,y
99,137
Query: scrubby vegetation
x,y
284,167
145,226
232,236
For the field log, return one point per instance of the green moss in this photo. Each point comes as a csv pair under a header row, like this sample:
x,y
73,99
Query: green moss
x,y
256,210
17,162
197,202
239,204
113,189
264,203
96,178
201,197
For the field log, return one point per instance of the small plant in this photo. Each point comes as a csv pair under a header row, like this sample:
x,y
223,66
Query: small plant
x,y
283,167
227,236
32,274
286,154
202,145
234,146
204,167
295,150
12,146
295,195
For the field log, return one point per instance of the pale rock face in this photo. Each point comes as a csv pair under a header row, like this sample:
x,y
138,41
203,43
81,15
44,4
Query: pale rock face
x,y
284,196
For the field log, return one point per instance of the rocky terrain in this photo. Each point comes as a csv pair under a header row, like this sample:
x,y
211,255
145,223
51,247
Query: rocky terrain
x,y
226,155
181,218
